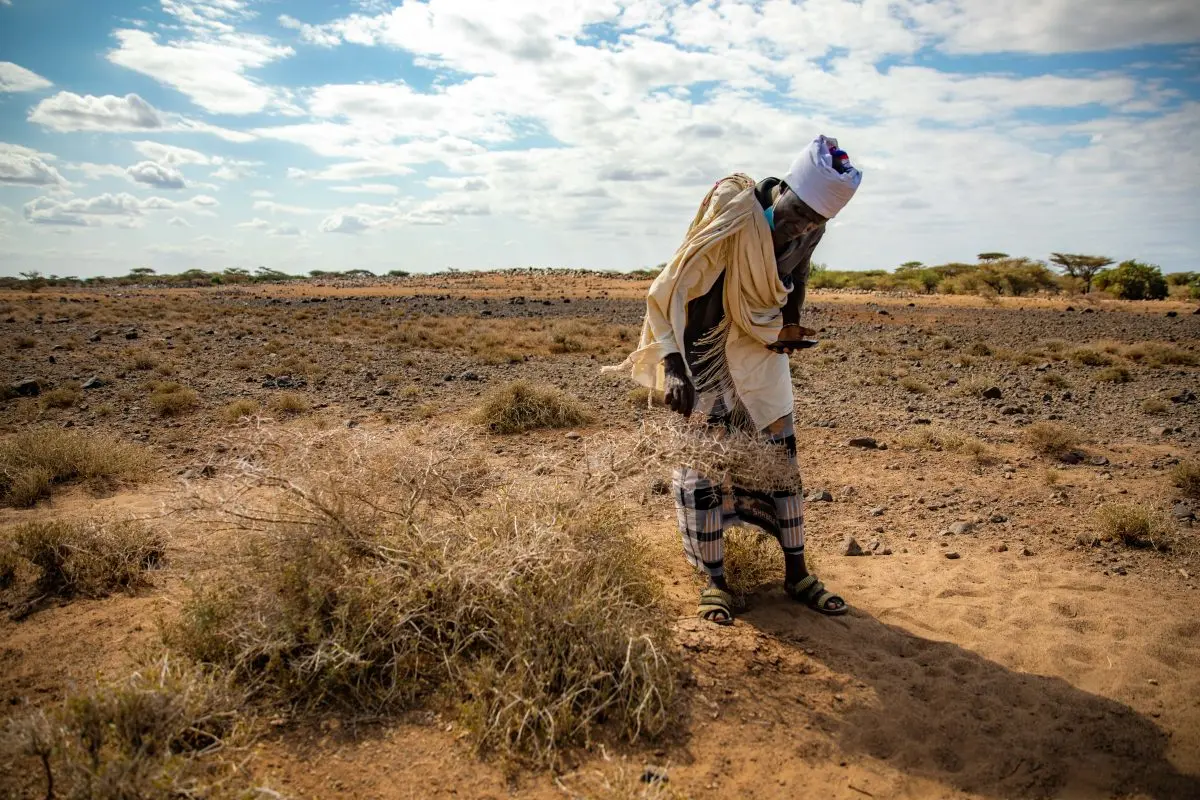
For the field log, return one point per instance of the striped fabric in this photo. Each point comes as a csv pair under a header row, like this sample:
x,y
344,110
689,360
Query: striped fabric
x,y
705,509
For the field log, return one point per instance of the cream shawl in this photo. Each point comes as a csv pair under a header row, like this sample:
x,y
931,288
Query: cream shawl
x,y
729,233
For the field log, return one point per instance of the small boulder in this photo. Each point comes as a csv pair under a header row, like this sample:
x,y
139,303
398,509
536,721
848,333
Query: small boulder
x,y
469,376
961,528
952,555
992,393
131,334
574,435
820,496
30,387
93,383
851,547
865,442
1183,512
878,511
1012,411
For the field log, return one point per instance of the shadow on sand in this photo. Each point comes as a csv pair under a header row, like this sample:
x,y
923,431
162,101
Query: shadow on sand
x,y
945,713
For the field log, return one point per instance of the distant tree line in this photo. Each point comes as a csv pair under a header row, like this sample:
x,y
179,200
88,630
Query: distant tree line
x,y
145,276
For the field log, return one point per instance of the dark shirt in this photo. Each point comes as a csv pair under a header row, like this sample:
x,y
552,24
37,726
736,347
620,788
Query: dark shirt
x,y
793,258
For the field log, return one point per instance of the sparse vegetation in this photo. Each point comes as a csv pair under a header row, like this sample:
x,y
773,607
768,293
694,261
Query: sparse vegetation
x,y
1052,439
1155,405
87,557
173,399
914,385
522,406
151,736
752,558
947,440
289,404
1089,357
1131,525
61,397
1158,354
1055,381
1114,375
33,461
239,409
1186,477
361,592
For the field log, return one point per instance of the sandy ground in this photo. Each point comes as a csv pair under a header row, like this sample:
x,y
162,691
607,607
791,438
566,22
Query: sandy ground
x,y
1040,668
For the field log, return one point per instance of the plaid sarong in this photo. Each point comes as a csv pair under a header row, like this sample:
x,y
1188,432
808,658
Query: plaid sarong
x,y
705,508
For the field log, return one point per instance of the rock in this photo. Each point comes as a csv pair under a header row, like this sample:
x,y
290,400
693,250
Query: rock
x,y
1183,396
961,528
574,435
30,387
448,378
997,519
1172,314
992,393
351,423
93,383
1071,457
1120,570
131,335
1183,512
824,423
820,496
883,313
887,551
922,421
1042,367
1000,548
383,392
865,442
1012,411
1098,461
952,555
1159,431
1025,551
469,376
851,547
660,486
878,511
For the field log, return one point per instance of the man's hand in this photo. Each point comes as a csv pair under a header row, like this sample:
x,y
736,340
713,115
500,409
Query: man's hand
x,y
680,393
792,337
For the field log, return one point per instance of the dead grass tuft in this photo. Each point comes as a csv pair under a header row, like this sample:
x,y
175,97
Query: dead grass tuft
x,y
239,410
33,461
1052,439
1186,477
1158,354
289,404
62,397
89,558
947,440
1155,405
377,583
752,558
150,736
1089,357
914,385
522,406
169,399
1132,525
1114,375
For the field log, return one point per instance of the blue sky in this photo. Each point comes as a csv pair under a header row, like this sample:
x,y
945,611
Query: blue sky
x,y
305,135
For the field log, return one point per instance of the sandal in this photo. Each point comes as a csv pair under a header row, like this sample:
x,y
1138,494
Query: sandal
x,y
716,606
811,592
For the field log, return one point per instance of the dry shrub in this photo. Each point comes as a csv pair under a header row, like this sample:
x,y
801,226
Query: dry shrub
x,y
1055,381
947,440
522,406
1089,357
914,385
289,403
1052,439
378,582
752,558
1114,375
1155,405
142,360
152,736
89,558
34,460
1159,354
1132,525
1186,477
173,399
239,409
624,781
62,397
24,342
980,349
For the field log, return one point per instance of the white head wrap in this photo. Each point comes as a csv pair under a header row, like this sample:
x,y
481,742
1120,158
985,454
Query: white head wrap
x,y
815,181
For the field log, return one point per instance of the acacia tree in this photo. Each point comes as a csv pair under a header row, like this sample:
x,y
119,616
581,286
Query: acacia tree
x,y
992,256
1080,266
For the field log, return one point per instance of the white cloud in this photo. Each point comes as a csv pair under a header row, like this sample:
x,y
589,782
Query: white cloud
x,y
205,56
170,154
262,194
67,112
95,172
157,175
284,229
179,222
255,224
22,166
89,211
271,207
368,188
344,223
14,78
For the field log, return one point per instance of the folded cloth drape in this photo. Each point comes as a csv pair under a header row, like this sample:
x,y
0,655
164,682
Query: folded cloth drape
x,y
728,234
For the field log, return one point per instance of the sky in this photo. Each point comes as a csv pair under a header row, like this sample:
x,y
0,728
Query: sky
x,y
423,135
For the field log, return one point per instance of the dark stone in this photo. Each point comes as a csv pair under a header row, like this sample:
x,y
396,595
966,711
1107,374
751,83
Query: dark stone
x,y
469,376
922,421
1012,411
952,555
30,387
93,383
820,496
1183,396
1071,457
652,774
1098,461
865,442
992,393
383,392
1183,512
131,335
1172,313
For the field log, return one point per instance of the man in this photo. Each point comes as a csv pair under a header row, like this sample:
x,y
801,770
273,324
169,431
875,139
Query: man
x,y
721,319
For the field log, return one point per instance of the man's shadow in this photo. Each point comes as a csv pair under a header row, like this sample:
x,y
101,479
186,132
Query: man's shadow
x,y
945,713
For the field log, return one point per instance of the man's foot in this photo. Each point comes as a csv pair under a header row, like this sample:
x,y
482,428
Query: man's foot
x,y
812,593
716,605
